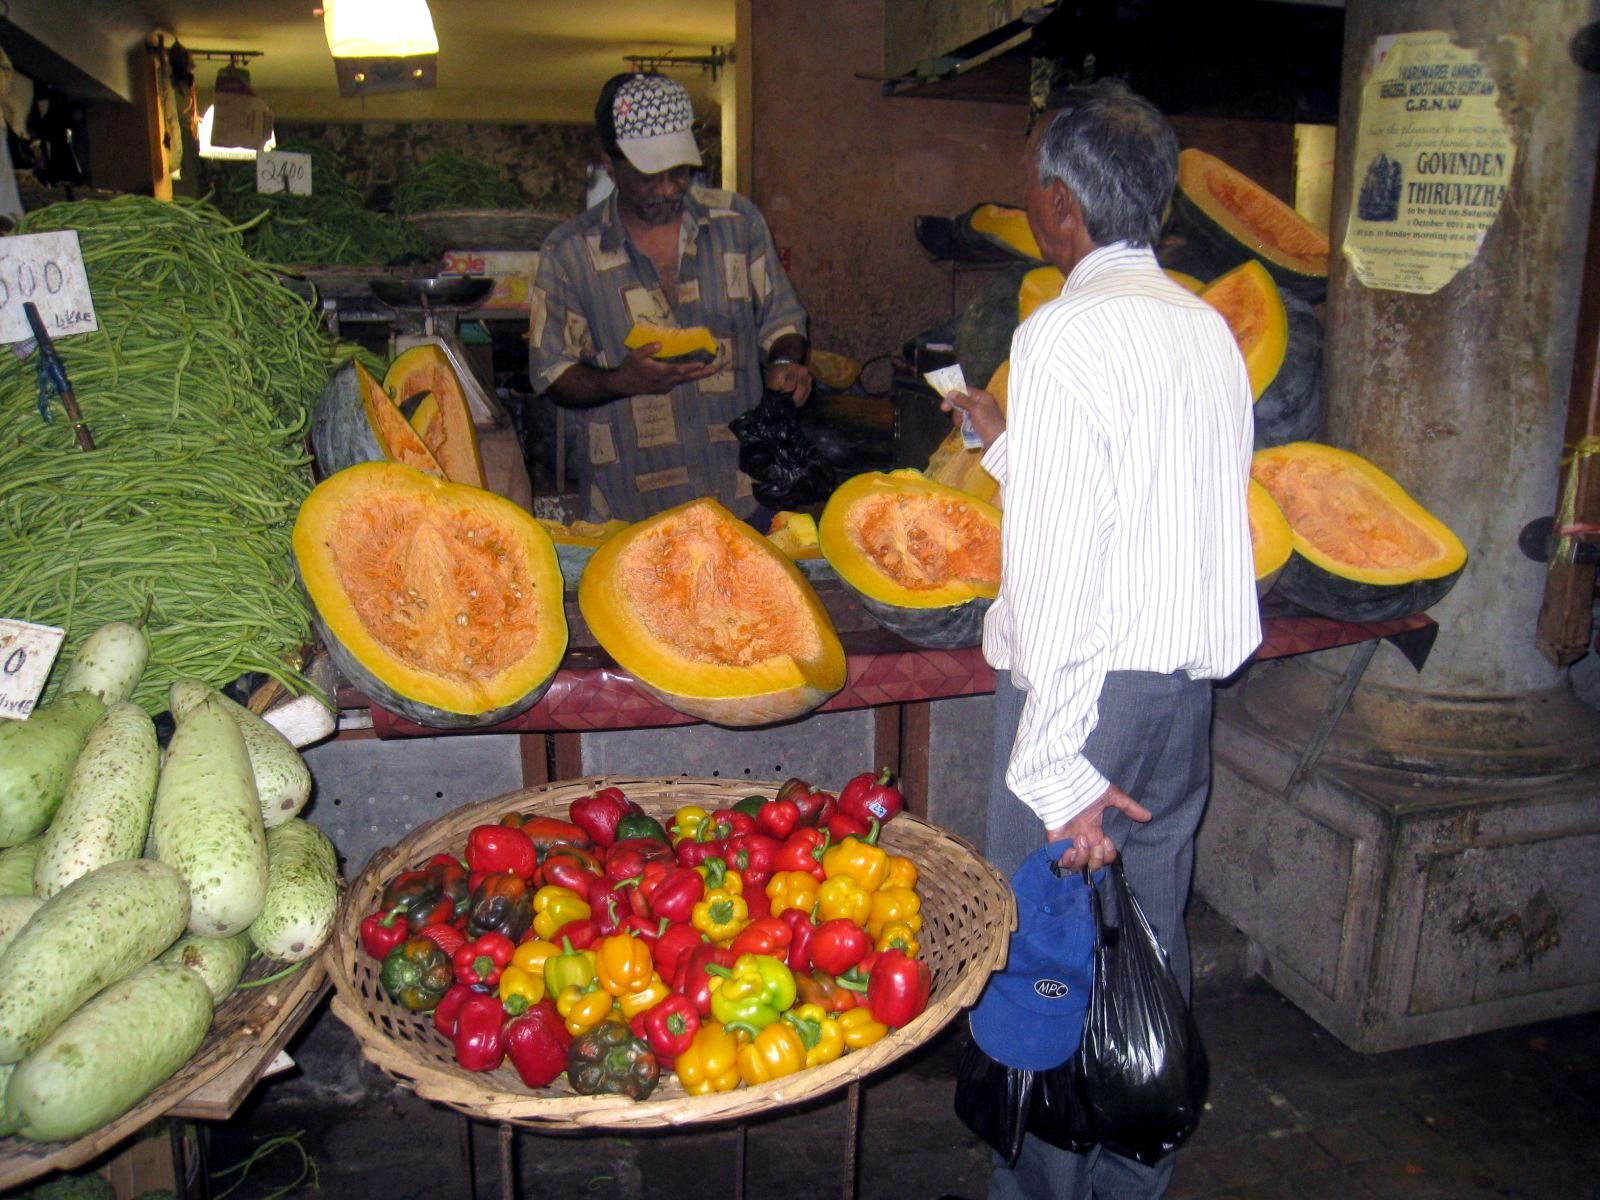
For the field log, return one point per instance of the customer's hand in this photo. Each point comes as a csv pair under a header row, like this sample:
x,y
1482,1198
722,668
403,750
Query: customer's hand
x,y
987,419
641,375
1085,840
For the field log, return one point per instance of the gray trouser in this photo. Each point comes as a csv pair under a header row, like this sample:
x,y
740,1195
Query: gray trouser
x,y
1153,741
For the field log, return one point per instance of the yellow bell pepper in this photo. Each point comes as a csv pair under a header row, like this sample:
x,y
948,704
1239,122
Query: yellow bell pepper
x,y
720,915
717,874
792,889
519,986
554,906
820,1030
902,872
860,1028
894,904
686,823
859,859
843,897
710,1064
584,1009
776,1051
898,935
623,964
647,997
532,954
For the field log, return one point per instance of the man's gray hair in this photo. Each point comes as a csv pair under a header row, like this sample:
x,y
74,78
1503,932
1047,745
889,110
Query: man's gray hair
x,y
1116,153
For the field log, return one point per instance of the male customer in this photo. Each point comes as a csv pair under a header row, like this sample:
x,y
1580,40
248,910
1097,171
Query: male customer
x,y
662,251
1127,584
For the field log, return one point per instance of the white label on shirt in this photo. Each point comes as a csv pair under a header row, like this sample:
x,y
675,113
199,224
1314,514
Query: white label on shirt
x,y
599,506
689,291
760,280
653,423
723,383
736,275
602,259
27,652
602,444
654,481
720,432
742,486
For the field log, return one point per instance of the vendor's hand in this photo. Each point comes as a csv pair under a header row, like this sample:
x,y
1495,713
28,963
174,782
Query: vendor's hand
x,y
641,375
794,379
987,419
1085,840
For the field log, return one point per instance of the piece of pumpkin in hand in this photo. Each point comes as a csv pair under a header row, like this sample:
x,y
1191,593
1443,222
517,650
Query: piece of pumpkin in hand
x,y
679,346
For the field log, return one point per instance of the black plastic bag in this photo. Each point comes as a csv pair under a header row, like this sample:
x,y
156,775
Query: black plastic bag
x,y
786,470
1000,1104
1141,1072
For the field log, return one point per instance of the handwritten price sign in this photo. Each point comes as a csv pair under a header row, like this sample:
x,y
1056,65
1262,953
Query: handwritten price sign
x,y
46,268
27,652
280,172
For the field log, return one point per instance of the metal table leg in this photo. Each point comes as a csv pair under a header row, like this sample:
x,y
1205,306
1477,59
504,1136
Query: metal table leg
x,y
1353,672
508,1161
852,1138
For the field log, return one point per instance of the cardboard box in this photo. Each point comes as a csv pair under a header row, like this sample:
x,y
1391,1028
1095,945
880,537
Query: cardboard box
x,y
511,270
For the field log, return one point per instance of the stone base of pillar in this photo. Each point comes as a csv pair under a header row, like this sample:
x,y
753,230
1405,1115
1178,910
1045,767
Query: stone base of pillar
x,y
1398,906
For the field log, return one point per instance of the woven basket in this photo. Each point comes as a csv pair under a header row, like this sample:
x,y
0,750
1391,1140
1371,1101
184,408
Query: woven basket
x,y
967,912
243,1022
483,228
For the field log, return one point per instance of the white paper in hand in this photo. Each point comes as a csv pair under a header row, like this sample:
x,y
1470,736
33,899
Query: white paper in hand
x,y
951,379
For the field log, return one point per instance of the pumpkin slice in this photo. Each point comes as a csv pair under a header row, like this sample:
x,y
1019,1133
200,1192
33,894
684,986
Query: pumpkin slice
x,y
956,465
1271,543
1281,340
441,602
1364,550
1249,301
923,558
711,618
985,234
795,533
1223,214
1006,227
692,345
356,422
836,372
1188,281
441,417
1040,285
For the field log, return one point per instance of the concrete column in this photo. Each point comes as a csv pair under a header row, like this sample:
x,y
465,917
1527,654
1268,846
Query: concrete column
x,y
1461,396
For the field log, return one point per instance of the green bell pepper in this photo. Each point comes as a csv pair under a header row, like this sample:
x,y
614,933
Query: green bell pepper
x,y
417,973
641,825
754,994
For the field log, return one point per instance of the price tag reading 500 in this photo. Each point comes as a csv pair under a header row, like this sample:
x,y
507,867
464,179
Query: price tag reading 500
x,y
46,268
27,652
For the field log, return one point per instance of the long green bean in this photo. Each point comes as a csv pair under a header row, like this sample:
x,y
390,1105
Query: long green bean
x,y
446,180
198,386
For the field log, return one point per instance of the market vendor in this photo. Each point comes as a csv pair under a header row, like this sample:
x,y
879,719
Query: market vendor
x,y
661,250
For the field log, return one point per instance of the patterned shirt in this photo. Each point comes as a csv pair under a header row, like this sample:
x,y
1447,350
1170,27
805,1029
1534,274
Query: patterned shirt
x,y
641,454
1126,542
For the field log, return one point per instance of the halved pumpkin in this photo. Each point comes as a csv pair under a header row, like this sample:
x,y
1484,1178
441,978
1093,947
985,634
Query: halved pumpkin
x,y
985,234
1249,301
441,602
1364,550
1006,226
1271,543
1281,340
1229,218
956,465
355,422
711,618
692,345
923,558
1039,285
423,381
837,372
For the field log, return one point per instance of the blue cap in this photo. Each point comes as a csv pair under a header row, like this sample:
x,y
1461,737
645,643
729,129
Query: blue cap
x,y
1031,1014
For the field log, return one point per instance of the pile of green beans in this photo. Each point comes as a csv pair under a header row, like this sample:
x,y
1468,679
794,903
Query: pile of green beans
x,y
447,180
330,227
197,388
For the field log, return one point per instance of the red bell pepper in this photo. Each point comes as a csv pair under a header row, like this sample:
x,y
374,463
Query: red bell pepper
x,y
502,903
583,933
670,1026
446,1011
802,930
778,818
802,851
842,825
691,852
608,907
871,796
432,893
676,940
382,931
693,979
839,945
478,1042
626,859
649,929
897,989
815,804
756,901
569,867
751,855
730,822
494,849
447,937
536,1042
548,832
481,960
769,935
820,988
671,892
598,815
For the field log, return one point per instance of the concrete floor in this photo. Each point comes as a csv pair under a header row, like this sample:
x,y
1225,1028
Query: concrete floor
x,y
1292,1113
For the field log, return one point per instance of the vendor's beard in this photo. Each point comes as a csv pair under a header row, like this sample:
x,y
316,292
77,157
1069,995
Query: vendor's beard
x,y
661,212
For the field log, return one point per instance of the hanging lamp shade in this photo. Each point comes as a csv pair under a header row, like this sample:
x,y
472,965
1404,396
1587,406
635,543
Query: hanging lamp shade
x,y
381,45
238,153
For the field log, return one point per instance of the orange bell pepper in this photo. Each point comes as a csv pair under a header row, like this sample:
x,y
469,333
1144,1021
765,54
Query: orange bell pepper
x,y
819,1030
860,1028
583,1009
898,935
777,1050
651,994
902,872
860,858
623,964
710,1064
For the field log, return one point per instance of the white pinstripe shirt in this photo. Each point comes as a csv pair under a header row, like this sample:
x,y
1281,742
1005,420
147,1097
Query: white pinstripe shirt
x,y
1125,544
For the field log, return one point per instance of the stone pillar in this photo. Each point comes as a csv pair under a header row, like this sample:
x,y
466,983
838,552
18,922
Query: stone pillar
x,y
1427,877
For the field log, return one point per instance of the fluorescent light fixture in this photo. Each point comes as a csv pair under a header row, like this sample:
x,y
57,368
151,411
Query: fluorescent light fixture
x,y
381,45
236,153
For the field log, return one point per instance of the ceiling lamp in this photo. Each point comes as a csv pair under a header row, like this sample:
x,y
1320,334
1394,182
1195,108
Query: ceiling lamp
x,y
241,153
381,45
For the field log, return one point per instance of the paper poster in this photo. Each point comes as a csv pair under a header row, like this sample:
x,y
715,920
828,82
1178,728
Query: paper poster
x,y
1434,156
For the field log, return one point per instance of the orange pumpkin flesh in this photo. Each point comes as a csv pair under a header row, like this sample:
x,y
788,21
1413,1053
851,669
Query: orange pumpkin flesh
x,y
442,419
927,543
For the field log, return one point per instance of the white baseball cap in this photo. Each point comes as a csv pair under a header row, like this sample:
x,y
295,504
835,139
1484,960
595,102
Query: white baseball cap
x,y
654,122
